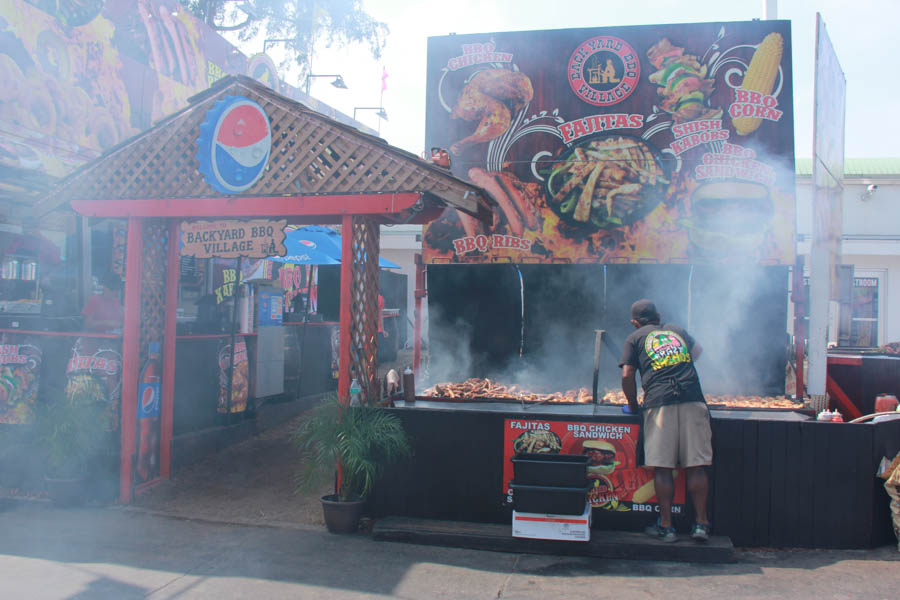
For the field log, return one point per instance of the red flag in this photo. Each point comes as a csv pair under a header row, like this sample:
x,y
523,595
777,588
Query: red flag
x,y
384,77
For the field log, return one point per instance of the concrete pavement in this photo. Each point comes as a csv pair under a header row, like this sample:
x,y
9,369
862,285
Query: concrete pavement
x,y
118,553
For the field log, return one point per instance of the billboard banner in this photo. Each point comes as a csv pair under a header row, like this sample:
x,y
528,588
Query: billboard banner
x,y
80,76
617,482
828,152
665,143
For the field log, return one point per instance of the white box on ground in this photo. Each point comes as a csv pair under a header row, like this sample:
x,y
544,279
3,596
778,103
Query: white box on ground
x,y
572,528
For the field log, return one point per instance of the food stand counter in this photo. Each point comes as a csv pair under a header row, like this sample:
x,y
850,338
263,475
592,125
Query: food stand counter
x,y
768,483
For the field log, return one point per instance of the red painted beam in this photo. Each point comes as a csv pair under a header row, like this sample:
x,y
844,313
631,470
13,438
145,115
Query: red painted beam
x,y
252,206
853,361
846,406
131,331
166,422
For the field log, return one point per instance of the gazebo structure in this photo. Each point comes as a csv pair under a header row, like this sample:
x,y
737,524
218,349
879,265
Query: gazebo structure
x,y
219,159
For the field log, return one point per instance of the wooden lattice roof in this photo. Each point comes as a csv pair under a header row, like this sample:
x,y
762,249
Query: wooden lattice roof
x,y
312,155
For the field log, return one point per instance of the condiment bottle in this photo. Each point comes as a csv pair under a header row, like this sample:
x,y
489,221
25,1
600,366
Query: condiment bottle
x,y
824,416
409,386
354,392
836,417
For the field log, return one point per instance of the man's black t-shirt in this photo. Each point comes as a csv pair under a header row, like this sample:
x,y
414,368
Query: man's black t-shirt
x,y
662,356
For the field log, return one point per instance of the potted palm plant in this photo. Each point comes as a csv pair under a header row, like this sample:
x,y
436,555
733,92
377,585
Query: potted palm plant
x,y
71,431
362,439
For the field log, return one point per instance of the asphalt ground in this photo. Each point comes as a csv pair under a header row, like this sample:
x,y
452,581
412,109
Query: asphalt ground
x,y
123,553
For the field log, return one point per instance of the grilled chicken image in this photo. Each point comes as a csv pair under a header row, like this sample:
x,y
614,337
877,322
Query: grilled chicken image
x,y
491,97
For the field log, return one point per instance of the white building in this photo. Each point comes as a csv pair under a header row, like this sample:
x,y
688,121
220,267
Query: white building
x,y
870,242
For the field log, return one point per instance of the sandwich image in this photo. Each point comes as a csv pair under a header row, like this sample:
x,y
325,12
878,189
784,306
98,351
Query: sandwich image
x,y
601,457
729,217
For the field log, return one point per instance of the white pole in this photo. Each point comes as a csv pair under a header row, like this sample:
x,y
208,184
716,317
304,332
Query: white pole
x,y
770,9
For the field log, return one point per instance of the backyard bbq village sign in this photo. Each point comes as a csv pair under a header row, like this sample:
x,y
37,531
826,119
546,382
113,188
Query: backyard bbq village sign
x,y
257,238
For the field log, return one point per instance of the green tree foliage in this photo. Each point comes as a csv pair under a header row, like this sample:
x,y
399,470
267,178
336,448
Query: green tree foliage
x,y
301,23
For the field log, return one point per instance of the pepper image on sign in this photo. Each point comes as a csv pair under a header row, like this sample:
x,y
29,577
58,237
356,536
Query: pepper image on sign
x,y
234,144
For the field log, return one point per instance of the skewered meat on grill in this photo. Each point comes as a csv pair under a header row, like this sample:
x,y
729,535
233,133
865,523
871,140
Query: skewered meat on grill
x,y
480,389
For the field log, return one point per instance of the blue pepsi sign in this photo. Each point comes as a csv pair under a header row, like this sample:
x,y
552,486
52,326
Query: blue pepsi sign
x,y
234,144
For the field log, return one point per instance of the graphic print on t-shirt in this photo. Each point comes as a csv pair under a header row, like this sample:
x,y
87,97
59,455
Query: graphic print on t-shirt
x,y
665,349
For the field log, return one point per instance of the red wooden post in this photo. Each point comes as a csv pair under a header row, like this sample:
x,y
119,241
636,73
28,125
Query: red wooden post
x,y
345,317
418,293
131,331
168,356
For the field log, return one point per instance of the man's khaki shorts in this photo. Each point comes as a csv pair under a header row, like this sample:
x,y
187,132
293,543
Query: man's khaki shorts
x,y
677,435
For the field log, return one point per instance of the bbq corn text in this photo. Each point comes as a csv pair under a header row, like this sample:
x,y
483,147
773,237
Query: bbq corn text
x,y
760,77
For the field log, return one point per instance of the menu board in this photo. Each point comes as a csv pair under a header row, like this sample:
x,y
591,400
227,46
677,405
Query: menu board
x,y
660,144
617,482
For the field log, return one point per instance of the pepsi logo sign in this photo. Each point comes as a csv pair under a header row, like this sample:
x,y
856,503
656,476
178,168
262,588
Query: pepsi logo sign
x,y
308,244
234,144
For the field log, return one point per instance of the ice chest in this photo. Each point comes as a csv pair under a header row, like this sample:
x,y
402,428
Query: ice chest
x,y
548,499
540,526
563,470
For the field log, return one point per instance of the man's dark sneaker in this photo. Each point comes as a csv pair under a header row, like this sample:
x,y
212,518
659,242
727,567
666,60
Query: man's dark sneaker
x,y
663,534
700,532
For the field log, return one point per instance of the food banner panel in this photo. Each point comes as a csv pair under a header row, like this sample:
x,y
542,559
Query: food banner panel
x,y
20,370
617,482
80,76
94,374
240,378
664,143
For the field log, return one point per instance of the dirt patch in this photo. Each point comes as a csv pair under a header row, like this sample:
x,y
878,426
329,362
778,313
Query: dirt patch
x,y
251,482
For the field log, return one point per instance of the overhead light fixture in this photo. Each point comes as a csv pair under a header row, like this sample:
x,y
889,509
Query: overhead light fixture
x,y
380,111
338,81
274,40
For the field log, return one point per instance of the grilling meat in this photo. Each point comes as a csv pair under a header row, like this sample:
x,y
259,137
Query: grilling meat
x,y
484,389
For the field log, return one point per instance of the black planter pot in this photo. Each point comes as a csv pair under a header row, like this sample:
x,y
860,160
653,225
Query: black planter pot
x,y
342,517
67,491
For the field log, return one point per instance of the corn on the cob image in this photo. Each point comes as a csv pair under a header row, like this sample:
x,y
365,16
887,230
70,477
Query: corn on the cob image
x,y
760,77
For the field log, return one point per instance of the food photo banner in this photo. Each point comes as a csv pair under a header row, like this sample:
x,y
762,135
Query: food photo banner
x,y
80,76
659,144
617,482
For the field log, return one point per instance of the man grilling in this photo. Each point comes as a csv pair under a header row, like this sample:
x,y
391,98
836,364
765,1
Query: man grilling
x,y
676,418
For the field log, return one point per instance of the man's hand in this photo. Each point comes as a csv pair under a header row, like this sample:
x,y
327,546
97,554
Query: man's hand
x,y
629,387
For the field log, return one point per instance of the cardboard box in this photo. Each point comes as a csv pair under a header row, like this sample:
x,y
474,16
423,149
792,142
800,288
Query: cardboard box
x,y
570,528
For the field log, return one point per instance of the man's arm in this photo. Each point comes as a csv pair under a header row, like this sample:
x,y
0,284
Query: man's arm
x,y
696,351
629,386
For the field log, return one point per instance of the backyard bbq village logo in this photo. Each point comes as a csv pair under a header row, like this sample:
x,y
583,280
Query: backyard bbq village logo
x,y
604,70
234,144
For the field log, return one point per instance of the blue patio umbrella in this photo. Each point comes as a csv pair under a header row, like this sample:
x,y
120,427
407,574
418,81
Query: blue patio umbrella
x,y
314,245
308,248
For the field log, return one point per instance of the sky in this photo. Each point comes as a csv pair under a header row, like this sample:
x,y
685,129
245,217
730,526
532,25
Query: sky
x,y
864,34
